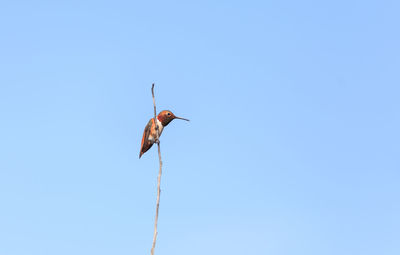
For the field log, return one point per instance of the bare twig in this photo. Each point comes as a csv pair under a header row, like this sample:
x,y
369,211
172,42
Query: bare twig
x,y
159,173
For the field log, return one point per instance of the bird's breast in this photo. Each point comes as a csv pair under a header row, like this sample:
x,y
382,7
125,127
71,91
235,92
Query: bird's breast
x,y
152,135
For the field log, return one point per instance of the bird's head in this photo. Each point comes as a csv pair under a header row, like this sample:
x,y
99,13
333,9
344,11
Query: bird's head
x,y
165,117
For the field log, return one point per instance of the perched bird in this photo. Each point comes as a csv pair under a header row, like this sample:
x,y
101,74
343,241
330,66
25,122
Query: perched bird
x,y
149,134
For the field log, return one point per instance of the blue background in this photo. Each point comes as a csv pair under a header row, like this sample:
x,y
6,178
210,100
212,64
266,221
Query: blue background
x,y
293,145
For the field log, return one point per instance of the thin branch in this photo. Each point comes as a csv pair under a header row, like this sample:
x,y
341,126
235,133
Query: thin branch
x,y
159,173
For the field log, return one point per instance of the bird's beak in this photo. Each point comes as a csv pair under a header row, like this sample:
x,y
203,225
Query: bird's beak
x,y
181,118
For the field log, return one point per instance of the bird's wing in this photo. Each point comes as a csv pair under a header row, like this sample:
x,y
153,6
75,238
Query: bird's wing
x,y
146,143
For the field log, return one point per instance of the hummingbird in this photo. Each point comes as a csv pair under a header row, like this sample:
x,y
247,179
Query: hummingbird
x,y
149,133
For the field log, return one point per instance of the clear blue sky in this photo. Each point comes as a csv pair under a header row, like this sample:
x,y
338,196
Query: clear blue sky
x,y
293,146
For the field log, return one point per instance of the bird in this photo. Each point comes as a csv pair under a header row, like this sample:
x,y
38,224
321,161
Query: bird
x,y
149,133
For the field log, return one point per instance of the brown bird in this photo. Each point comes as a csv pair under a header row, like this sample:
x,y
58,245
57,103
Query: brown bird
x,y
149,134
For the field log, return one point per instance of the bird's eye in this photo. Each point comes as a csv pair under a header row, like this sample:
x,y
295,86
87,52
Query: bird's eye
x,y
168,114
